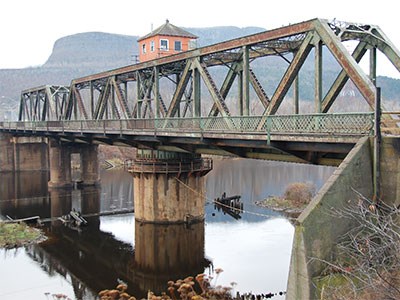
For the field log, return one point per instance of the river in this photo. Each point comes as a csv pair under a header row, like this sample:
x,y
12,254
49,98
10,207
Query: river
x,y
252,249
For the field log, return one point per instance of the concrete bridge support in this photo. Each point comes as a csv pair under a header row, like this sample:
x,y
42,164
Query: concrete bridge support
x,y
90,170
318,229
168,186
30,154
60,164
6,153
23,153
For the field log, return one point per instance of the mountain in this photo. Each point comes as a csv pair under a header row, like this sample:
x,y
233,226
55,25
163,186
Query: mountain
x,y
87,53
92,52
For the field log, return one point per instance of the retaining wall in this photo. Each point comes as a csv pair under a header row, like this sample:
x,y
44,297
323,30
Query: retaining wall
x,y
318,229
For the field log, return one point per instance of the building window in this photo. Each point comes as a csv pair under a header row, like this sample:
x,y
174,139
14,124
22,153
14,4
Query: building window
x,y
143,48
178,46
164,45
152,46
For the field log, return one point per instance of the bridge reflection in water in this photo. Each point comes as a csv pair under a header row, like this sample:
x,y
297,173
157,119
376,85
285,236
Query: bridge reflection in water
x,y
93,259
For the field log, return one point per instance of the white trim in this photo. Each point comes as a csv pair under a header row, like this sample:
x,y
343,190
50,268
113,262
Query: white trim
x,y
163,48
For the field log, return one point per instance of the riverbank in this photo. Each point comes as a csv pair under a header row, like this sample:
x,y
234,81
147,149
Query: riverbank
x,y
13,235
295,199
281,204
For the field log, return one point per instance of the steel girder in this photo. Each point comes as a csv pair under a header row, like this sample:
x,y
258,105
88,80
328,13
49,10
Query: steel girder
x,y
43,103
179,85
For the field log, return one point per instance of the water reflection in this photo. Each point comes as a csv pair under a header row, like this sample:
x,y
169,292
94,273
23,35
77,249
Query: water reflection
x,y
147,256
24,194
168,252
94,259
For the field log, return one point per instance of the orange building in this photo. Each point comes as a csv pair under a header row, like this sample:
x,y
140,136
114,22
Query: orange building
x,y
166,40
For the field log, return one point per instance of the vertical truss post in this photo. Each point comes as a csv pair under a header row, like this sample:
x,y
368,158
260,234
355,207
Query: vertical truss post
x,y
296,95
196,93
48,99
91,99
114,110
377,146
240,92
138,95
31,107
156,93
246,80
178,80
318,76
75,105
372,65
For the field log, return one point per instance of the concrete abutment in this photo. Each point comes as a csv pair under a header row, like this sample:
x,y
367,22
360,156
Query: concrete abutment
x,y
318,229
169,186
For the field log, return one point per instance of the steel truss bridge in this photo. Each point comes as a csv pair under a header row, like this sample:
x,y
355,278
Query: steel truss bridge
x,y
214,99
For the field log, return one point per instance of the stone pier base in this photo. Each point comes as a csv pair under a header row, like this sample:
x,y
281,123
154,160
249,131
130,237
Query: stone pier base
x,y
169,187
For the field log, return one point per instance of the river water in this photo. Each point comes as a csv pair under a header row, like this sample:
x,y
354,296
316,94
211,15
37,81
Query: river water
x,y
253,249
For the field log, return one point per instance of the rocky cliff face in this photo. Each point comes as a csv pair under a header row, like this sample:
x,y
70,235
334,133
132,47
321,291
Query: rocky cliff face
x,y
93,51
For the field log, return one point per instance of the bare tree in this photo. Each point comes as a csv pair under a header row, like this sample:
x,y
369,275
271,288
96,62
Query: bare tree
x,y
368,257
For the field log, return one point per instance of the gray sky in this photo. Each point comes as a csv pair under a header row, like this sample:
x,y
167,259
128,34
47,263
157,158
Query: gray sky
x,y
29,28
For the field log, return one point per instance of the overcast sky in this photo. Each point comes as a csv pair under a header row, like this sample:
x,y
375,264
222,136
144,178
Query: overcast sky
x,y
29,28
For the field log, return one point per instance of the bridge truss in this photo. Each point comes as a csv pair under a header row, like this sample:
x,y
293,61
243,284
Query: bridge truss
x,y
219,99
178,85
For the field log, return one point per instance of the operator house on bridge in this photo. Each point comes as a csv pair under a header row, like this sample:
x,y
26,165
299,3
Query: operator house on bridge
x,y
166,40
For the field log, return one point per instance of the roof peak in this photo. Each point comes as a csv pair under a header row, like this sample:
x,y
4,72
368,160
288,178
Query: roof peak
x,y
169,29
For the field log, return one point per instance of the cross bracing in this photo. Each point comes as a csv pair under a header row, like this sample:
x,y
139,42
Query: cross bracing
x,y
176,86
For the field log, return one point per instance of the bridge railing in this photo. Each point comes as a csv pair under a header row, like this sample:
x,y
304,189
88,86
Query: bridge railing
x,y
335,124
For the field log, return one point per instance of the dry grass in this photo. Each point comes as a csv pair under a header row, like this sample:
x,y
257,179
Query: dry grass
x,y
299,194
18,234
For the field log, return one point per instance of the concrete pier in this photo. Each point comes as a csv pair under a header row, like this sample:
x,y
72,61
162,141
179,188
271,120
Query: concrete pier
x,y
60,164
23,153
168,186
90,170
6,153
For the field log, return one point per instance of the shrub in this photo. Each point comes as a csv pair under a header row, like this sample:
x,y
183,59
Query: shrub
x,y
299,193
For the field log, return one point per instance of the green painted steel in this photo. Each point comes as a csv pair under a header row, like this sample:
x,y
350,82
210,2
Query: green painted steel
x,y
321,124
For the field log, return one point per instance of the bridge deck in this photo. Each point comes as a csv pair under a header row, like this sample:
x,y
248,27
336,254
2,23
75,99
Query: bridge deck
x,y
315,138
